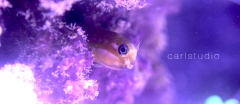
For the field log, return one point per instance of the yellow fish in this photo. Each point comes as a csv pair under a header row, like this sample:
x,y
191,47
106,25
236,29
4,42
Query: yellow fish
x,y
111,49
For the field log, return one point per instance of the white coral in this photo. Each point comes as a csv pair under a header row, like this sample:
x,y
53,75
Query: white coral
x,y
130,4
57,8
5,4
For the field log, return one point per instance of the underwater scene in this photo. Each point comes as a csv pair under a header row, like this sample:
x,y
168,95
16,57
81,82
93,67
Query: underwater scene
x,y
119,51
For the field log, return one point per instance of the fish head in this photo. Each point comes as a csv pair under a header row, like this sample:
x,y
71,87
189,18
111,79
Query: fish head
x,y
116,54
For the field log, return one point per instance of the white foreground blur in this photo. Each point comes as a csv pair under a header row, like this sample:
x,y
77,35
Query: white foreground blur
x,y
17,85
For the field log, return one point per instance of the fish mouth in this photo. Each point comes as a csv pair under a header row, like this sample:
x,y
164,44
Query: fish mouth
x,y
130,66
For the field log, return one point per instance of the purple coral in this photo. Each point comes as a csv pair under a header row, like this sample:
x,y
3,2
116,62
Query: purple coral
x,y
49,36
65,77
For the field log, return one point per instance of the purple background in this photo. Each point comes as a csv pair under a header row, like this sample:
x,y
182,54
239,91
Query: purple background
x,y
203,26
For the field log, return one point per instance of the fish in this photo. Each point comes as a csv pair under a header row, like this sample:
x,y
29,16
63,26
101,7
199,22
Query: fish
x,y
111,49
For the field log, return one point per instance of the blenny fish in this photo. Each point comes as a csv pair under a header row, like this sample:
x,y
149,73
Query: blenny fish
x,y
111,49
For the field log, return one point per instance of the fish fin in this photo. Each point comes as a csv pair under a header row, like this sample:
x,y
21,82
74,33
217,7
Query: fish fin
x,y
95,64
137,47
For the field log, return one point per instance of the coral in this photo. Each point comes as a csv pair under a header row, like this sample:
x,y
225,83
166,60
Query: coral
x,y
47,35
57,8
17,84
130,4
64,75
5,4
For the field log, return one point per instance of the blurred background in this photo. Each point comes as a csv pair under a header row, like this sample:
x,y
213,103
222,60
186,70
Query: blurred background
x,y
201,27
167,30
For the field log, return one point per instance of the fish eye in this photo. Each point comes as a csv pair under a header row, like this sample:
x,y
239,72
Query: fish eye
x,y
123,49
